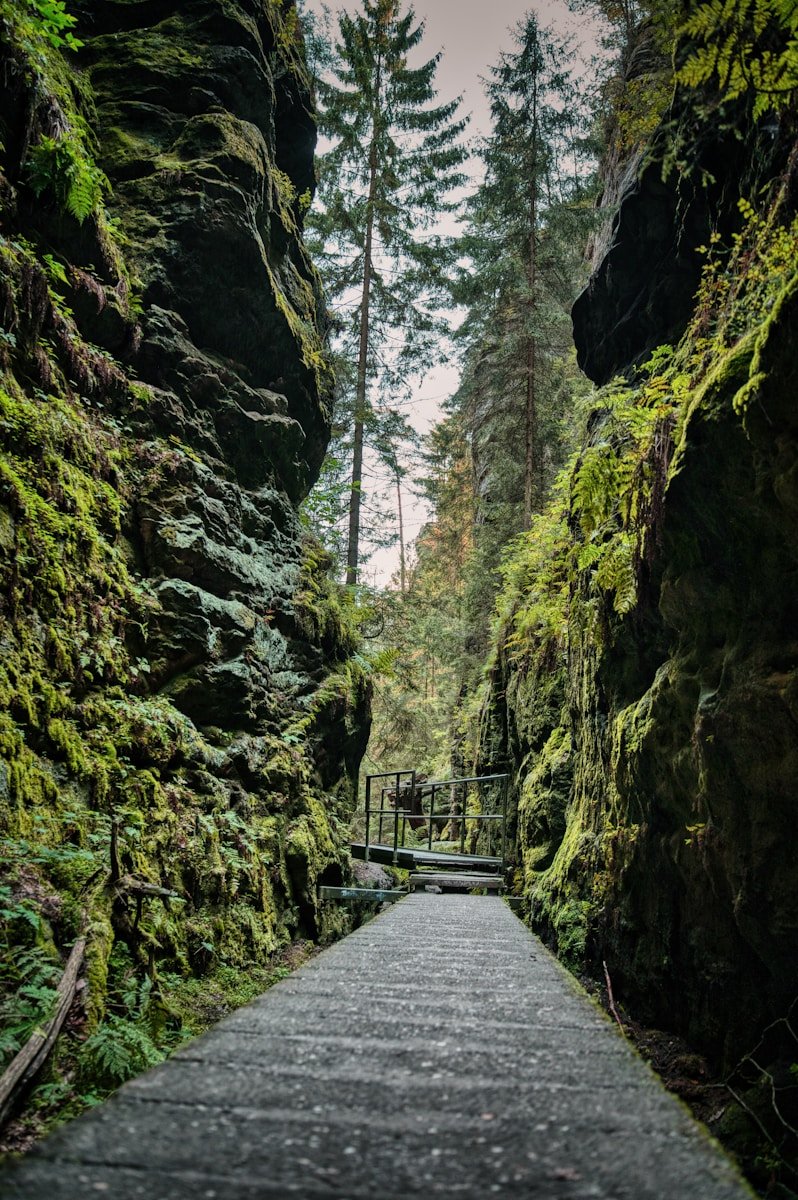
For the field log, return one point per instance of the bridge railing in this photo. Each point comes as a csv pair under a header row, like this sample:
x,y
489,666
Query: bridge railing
x,y
382,811
408,800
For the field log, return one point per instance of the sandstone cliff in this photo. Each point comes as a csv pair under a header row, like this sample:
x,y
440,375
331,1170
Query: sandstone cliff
x,y
180,706
644,691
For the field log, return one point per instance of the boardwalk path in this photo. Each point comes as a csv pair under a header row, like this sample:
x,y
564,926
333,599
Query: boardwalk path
x,y
438,1051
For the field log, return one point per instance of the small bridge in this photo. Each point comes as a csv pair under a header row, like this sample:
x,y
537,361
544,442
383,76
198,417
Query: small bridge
x,y
450,834
437,1051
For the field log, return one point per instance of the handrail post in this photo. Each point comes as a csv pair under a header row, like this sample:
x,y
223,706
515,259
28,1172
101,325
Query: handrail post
x,y
463,811
431,814
505,789
368,815
395,836
410,806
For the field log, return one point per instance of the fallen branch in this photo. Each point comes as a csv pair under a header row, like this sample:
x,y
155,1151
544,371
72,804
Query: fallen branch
x,y
35,1052
761,1127
140,887
611,999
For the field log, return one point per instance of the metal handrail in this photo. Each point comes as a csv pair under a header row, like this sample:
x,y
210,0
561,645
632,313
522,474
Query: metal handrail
x,y
466,779
430,787
396,775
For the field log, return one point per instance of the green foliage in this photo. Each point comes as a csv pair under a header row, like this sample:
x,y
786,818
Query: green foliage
x,y
744,46
573,586
60,160
491,462
532,604
739,281
395,157
419,637
324,510
116,1052
28,971
104,784
527,222
39,22
56,23
636,76
417,668
62,166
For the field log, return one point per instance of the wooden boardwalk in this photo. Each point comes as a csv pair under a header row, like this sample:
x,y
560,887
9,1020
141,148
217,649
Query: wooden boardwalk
x,y
437,1051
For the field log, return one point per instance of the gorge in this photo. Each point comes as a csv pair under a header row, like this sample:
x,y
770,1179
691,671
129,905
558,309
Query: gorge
x,y
187,691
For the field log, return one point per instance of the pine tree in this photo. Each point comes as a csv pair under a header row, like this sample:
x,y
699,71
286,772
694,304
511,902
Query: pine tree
x,y
524,255
395,159
528,223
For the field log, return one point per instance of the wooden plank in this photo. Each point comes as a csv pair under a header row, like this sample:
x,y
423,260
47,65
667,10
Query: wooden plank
x,y
454,862
334,1056
409,859
31,1058
383,854
452,880
356,893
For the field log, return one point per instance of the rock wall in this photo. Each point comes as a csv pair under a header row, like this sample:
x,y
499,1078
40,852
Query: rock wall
x,y
655,740
182,718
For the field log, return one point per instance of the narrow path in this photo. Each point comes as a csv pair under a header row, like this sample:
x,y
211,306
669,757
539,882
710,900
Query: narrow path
x,y
438,1051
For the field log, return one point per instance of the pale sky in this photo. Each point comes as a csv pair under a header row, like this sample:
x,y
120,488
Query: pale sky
x,y
472,34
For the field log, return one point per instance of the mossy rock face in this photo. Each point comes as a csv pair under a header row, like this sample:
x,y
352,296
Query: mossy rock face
x,y
180,705
656,781
209,143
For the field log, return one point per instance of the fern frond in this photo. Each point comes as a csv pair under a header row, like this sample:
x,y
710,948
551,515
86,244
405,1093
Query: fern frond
x,y
730,36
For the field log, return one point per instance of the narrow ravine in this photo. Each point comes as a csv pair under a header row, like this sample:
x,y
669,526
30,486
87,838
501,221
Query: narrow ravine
x,y
277,303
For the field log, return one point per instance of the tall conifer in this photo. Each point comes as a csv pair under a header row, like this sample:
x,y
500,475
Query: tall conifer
x,y
520,284
528,222
395,158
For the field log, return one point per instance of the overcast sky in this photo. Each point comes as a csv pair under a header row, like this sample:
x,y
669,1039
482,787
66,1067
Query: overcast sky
x,y
471,34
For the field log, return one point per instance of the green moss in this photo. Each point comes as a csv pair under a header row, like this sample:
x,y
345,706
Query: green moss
x,y
102,785
295,300
221,143
60,160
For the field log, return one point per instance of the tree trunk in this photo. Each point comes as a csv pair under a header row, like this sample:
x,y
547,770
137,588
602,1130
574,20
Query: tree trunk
x,y
361,393
402,564
361,412
529,431
24,1067
530,410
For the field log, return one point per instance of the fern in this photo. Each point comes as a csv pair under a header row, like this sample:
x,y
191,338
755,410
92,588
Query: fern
x,y
601,478
616,572
27,977
745,45
117,1051
62,166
